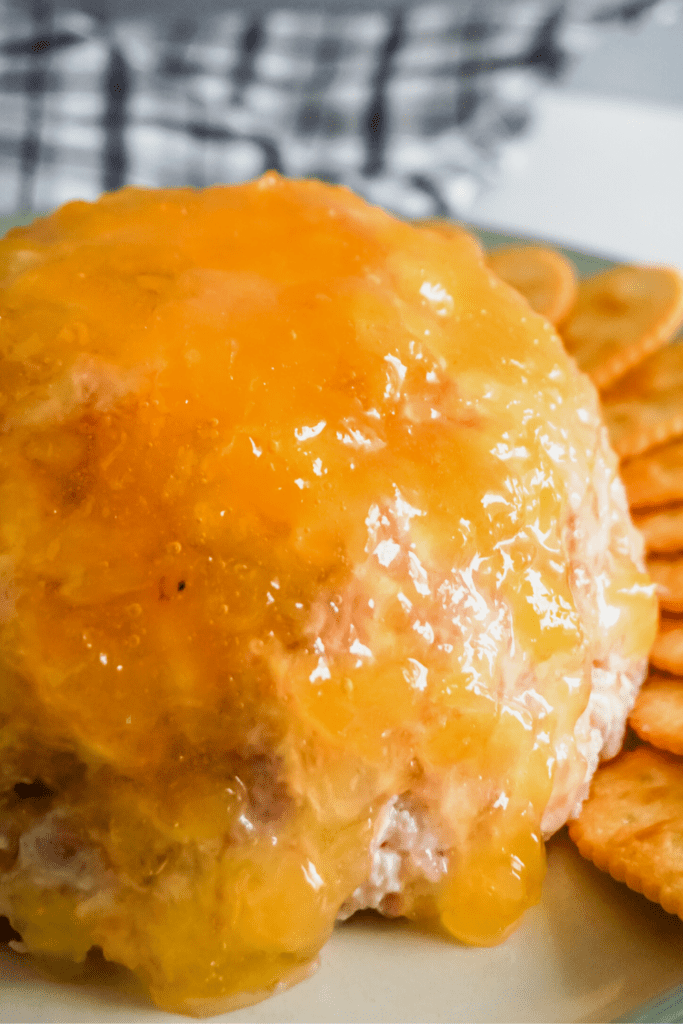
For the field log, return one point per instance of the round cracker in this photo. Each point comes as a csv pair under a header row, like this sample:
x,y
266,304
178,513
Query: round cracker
x,y
657,716
662,531
667,650
655,478
620,316
645,409
631,825
543,276
667,573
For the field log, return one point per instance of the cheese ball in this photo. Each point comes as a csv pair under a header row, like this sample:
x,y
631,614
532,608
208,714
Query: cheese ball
x,y
318,589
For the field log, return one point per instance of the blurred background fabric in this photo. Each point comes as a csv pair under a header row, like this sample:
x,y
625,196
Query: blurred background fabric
x,y
412,105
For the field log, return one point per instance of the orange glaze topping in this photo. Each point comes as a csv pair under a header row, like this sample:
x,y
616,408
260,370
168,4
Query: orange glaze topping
x,y
291,524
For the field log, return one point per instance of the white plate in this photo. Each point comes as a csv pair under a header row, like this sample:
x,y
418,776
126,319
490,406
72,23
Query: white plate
x,y
591,951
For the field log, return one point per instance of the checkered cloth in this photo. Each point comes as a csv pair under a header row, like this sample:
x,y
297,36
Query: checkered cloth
x,y
412,106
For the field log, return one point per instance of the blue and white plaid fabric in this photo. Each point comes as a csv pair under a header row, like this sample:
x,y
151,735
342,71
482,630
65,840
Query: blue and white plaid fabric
x,y
413,106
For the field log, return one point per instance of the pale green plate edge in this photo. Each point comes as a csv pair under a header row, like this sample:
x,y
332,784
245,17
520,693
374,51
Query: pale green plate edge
x,y
668,1007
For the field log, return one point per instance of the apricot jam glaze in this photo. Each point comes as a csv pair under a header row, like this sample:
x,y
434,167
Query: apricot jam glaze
x,y
303,512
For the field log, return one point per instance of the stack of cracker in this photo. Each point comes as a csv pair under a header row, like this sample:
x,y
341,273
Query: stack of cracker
x,y
620,327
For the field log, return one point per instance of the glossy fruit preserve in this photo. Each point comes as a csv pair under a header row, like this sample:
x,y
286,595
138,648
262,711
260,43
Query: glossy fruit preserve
x,y
312,554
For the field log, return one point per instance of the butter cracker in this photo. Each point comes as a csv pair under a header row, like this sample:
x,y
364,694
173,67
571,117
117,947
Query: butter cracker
x,y
631,825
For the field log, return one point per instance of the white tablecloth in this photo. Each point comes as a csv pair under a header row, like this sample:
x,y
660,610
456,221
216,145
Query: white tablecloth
x,y
600,175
